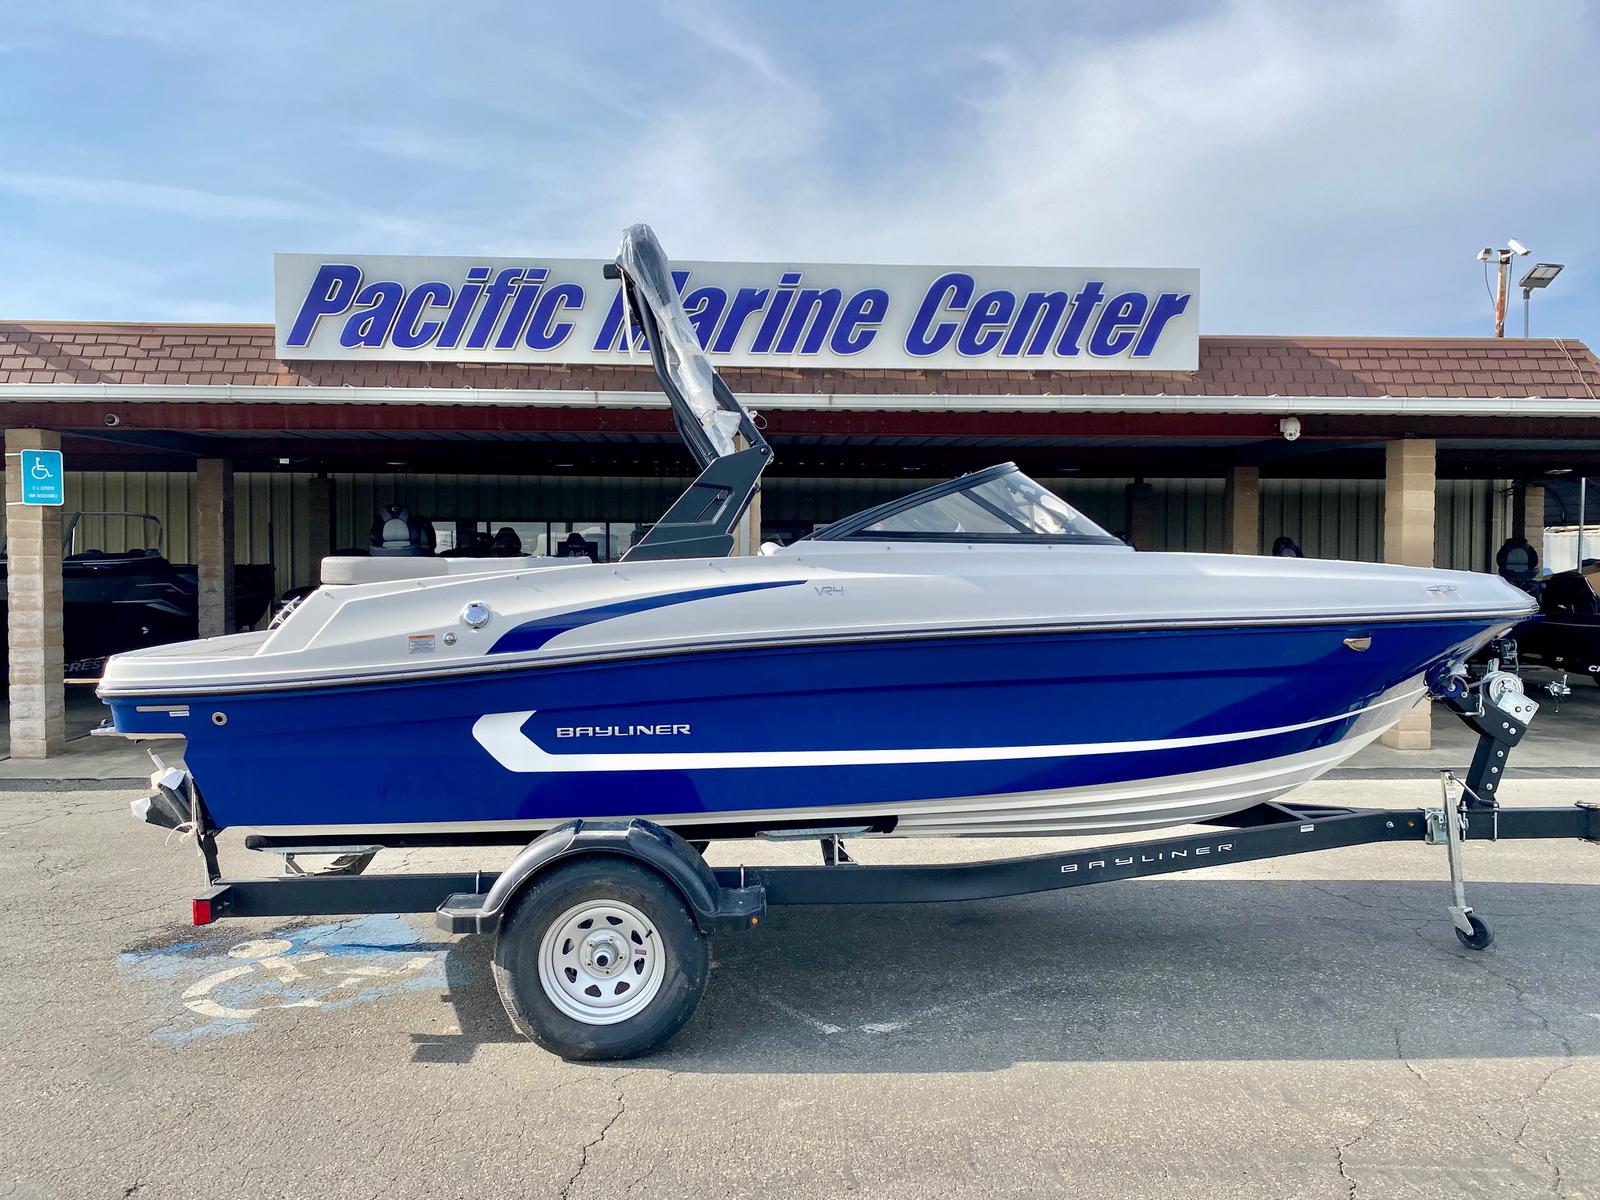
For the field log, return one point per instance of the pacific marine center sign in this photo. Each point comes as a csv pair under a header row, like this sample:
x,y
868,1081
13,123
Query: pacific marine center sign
x,y
559,311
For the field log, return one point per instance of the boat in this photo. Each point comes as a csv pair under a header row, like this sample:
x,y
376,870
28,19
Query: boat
x,y
1566,637
122,599
978,658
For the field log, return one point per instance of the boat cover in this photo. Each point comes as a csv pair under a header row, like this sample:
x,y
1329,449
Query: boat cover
x,y
645,263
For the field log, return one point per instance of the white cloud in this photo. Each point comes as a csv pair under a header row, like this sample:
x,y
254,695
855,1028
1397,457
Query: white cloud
x,y
223,207
699,19
1331,168
154,197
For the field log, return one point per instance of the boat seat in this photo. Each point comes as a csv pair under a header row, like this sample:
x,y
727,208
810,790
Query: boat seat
x,y
340,569
396,533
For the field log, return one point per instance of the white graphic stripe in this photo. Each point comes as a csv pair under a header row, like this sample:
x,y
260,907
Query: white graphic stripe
x,y
501,735
1089,808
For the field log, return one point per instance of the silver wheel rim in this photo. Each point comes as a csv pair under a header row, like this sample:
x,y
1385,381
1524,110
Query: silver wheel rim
x,y
601,962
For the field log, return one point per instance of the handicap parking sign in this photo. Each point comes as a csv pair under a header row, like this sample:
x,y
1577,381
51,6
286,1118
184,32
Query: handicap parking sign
x,y
42,477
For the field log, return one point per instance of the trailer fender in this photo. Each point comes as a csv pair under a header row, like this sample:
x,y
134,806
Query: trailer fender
x,y
713,906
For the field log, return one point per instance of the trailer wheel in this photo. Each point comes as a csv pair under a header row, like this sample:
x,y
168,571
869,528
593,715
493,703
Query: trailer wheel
x,y
600,959
1480,937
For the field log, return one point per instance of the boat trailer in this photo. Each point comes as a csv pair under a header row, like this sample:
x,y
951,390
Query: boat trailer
x,y
728,898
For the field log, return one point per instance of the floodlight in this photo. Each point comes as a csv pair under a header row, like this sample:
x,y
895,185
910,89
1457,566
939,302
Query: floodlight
x,y
1540,275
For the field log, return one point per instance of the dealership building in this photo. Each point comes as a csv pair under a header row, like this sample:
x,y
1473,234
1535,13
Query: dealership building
x,y
493,394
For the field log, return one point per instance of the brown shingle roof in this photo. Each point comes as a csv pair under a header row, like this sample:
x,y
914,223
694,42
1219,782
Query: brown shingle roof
x,y
60,352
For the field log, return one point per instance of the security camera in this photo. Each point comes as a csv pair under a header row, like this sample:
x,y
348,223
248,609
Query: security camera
x,y
1290,428
112,420
1485,254
1516,246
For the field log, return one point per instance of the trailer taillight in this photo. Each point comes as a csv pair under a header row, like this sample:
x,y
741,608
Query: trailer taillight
x,y
202,912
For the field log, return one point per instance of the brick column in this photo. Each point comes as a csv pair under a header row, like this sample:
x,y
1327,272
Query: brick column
x,y
1533,518
1241,503
34,599
747,533
1408,504
213,495
1140,514
319,523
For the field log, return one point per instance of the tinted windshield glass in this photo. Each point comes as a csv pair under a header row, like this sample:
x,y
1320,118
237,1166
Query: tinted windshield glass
x,y
957,513
1042,511
999,504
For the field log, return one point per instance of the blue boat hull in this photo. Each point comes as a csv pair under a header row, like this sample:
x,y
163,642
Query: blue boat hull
x,y
1067,732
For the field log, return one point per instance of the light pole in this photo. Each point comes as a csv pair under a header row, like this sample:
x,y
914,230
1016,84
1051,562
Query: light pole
x,y
1583,511
1502,258
1540,275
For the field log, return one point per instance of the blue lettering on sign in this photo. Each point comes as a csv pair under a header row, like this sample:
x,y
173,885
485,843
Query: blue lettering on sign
x,y
330,294
508,308
985,326
544,331
43,477
779,306
505,285
1119,324
461,311
1083,306
924,337
746,303
410,330
705,307
610,337
525,297
1038,317
858,323
1167,306
371,324
814,311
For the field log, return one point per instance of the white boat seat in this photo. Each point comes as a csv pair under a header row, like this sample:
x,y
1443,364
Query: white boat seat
x,y
352,568
396,533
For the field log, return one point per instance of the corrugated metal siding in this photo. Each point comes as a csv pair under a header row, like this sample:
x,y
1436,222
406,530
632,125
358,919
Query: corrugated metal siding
x,y
498,498
269,522
166,495
268,511
1103,501
1344,519
1471,518
1328,518
1188,515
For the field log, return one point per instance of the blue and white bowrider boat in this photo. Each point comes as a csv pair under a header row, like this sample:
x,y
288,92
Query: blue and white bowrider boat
x,y
978,658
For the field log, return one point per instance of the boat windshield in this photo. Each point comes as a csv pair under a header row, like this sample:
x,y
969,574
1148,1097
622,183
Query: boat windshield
x,y
999,504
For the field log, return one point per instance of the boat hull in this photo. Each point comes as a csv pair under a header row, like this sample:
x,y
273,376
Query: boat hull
x,y
1071,732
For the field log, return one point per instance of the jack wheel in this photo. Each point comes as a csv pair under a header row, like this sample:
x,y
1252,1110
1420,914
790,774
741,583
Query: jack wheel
x,y
1480,937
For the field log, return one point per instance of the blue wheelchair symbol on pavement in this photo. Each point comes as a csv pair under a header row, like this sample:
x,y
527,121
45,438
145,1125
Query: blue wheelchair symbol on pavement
x,y
43,480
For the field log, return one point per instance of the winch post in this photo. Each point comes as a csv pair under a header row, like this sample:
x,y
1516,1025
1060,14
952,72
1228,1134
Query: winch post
x,y
1501,724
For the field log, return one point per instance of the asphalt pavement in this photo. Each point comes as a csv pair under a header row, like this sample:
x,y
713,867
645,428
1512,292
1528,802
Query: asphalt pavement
x,y
1307,1027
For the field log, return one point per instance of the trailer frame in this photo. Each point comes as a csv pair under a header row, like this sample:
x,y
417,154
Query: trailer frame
x,y
734,898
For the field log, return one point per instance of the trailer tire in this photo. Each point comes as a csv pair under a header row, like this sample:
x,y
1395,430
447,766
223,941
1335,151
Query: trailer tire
x,y
599,958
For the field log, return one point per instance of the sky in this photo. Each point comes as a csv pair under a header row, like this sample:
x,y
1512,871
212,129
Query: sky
x,y
1332,168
